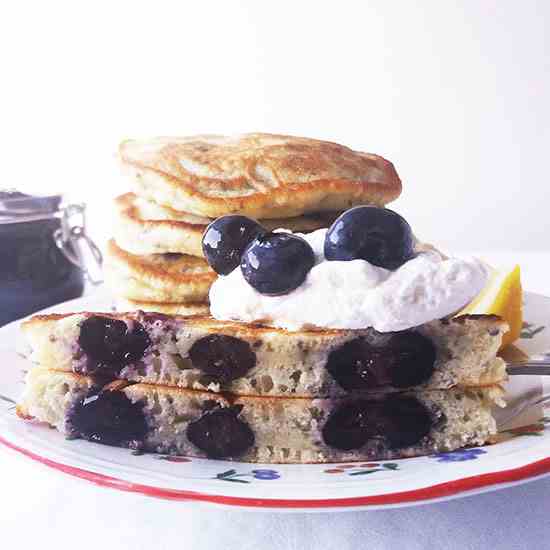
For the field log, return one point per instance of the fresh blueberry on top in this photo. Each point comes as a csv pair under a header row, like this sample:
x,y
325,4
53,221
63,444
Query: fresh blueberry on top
x,y
378,235
277,263
226,238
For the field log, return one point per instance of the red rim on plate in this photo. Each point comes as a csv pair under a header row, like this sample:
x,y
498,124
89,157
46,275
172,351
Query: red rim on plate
x,y
441,490
530,467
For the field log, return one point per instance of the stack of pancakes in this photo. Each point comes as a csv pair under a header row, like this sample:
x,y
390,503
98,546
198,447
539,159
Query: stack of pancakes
x,y
204,387
155,261
196,386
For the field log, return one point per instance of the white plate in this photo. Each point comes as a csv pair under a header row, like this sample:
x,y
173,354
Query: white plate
x,y
522,455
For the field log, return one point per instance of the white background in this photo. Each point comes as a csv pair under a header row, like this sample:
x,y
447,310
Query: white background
x,y
456,94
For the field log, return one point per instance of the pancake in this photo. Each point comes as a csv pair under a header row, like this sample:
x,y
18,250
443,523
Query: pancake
x,y
259,429
173,278
203,353
144,227
124,304
259,175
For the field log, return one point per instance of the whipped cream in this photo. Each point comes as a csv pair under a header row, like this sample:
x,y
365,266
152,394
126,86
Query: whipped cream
x,y
356,294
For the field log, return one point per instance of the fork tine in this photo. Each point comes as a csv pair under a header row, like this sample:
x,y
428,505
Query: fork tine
x,y
7,399
515,409
529,366
530,361
528,369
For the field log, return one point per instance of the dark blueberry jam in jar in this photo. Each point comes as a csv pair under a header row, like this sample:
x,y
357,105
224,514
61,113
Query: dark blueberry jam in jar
x,y
39,259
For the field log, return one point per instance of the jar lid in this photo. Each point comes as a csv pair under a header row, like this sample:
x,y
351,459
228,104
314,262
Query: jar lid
x,y
16,207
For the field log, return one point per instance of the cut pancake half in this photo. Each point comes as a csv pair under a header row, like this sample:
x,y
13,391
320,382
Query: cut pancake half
x,y
203,353
260,429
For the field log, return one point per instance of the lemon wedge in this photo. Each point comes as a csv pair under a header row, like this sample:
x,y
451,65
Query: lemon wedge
x,y
501,296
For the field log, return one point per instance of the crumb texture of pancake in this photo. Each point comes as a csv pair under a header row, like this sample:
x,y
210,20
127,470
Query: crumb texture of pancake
x,y
166,308
259,175
172,278
284,430
202,353
143,227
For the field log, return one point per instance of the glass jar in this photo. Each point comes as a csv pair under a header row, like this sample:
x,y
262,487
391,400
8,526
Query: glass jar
x,y
43,244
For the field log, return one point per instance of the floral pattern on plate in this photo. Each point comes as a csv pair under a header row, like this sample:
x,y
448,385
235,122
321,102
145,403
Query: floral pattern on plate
x,y
363,469
265,474
518,454
530,330
459,455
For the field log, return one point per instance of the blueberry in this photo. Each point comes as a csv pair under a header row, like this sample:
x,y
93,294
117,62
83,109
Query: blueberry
x,y
110,344
108,417
226,238
403,421
378,235
277,263
399,359
348,426
400,421
410,358
220,433
223,357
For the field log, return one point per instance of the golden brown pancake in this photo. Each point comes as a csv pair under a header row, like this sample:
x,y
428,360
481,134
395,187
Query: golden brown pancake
x,y
157,277
283,430
144,227
258,175
167,308
274,361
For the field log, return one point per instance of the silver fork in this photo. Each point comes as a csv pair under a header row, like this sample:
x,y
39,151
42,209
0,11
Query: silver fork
x,y
536,367
520,405
539,367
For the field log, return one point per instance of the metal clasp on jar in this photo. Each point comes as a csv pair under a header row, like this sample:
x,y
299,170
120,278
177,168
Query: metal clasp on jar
x,y
71,238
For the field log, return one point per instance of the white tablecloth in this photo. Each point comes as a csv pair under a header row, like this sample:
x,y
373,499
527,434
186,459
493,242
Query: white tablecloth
x,y
45,509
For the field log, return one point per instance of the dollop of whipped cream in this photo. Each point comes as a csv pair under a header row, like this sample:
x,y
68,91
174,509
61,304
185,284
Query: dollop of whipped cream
x,y
356,294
